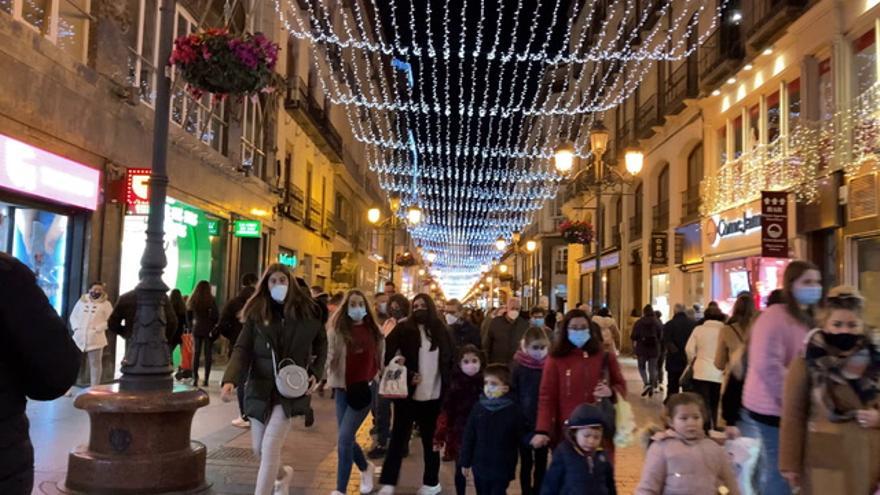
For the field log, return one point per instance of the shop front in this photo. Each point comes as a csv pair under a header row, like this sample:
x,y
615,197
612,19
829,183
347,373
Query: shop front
x,y
732,243
862,260
611,283
46,202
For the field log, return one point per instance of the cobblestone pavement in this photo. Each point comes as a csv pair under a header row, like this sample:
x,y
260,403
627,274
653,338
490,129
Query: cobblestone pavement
x,y
57,427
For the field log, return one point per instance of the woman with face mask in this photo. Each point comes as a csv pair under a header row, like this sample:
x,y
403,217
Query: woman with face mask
x,y
421,343
89,323
777,338
831,408
577,371
280,318
355,346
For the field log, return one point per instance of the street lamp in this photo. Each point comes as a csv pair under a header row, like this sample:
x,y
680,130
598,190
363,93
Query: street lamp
x,y
503,268
531,246
500,243
431,256
414,215
634,159
564,158
373,215
392,223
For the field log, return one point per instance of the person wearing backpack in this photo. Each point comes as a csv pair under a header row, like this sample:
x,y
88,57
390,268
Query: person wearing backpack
x,y
646,336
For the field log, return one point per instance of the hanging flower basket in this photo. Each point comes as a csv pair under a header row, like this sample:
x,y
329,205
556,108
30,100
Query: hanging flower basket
x,y
216,61
576,232
405,259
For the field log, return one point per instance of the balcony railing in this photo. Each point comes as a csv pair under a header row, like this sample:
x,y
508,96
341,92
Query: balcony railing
x,y
661,216
327,231
341,227
648,117
313,219
295,204
300,102
764,20
720,54
615,237
635,227
681,86
690,205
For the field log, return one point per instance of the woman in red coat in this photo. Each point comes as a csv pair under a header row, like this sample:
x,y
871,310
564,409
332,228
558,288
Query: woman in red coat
x,y
574,374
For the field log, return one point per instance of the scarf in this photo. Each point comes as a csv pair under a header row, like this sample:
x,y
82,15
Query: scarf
x,y
498,404
843,380
527,361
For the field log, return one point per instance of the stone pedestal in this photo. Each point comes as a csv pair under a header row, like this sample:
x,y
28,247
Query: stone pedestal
x,y
139,442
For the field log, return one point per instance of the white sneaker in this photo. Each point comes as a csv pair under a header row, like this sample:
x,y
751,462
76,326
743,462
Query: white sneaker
x,y
367,478
282,486
429,490
387,490
241,423
336,492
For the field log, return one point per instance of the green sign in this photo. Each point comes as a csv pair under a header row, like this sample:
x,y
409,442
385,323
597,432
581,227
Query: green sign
x,y
213,228
288,259
246,228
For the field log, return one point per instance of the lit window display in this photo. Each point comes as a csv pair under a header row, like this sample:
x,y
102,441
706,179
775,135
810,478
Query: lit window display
x,y
869,277
660,294
757,275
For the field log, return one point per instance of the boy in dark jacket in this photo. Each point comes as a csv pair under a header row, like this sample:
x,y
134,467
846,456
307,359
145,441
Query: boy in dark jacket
x,y
579,466
493,435
527,370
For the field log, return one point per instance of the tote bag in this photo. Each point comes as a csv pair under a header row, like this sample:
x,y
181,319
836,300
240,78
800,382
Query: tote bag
x,y
394,384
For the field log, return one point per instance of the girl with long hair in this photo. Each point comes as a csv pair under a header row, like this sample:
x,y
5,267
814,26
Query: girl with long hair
x,y
202,316
423,344
734,334
179,307
279,317
354,352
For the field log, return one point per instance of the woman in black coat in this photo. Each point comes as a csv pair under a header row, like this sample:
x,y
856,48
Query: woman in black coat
x,y
201,317
423,344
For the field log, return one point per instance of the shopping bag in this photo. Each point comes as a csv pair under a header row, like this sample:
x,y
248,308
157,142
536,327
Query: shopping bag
x,y
743,453
187,348
626,423
394,382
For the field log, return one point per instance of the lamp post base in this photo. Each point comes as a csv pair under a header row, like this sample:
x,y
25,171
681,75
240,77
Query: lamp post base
x,y
139,442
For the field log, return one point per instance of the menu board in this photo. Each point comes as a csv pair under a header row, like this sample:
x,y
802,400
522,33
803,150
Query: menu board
x,y
863,197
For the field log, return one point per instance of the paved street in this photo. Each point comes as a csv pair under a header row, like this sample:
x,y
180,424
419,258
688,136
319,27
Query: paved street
x,y
57,427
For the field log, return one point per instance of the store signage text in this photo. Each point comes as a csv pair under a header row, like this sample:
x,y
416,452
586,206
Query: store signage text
x,y
213,227
32,171
247,228
718,228
137,191
774,224
288,259
659,248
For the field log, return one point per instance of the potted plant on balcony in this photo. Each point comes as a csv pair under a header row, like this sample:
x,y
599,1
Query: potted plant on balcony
x,y
576,232
219,62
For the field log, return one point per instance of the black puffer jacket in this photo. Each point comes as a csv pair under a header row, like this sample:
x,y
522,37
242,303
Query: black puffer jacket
x,y
291,338
406,339
38,360
122,318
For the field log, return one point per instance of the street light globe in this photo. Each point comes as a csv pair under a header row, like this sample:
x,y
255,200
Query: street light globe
x,y
373,215
431,256
489,279
598,138
634,159
414,215
503,268
531,246
500,243
421,272
563,160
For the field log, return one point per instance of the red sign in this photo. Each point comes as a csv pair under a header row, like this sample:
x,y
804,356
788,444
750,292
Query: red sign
x,y
774,224
32,171
137,191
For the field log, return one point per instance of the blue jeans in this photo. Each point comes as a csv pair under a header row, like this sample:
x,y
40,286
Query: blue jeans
x,y
348,420
770,480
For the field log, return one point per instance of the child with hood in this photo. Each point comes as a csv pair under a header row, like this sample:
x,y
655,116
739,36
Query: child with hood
x,y
527,370
464,391
580,466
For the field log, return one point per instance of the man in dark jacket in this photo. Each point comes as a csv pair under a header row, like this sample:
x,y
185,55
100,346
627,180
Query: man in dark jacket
x,y
505,333
230,327
38,360
121,321
676,333
646,336
463,332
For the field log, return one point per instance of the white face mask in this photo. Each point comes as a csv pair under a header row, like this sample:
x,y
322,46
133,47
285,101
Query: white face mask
x,y
451,319
278,292
513,314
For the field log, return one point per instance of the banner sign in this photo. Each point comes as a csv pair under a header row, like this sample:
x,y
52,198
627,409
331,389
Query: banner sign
x,y
659,248
774,224
247,228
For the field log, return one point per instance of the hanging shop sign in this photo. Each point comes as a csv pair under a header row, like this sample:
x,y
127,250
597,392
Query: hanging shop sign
x,y
774,224
247,228
137,191
659,248
213,228
287,257
32,171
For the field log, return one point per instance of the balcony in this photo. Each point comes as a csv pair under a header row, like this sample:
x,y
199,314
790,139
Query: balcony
x,y
690,205
682,85
313,218
765,20
327,231
625,135
648,117
341,227
661,216
720,54
635,227
302,106
294,204
615,237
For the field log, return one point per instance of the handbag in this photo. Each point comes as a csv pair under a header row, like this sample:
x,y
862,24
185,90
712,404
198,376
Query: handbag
x,y
291,380
686,381
359,395
394,382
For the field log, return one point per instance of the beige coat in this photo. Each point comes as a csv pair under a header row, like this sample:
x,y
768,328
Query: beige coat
x,y
336,355
731,339
832,457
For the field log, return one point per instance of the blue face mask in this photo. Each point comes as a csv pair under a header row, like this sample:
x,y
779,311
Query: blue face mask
x,y
578,337
808,295
537,322
357,313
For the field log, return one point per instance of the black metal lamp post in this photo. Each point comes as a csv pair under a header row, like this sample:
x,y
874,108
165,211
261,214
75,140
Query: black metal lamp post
x,y
393,223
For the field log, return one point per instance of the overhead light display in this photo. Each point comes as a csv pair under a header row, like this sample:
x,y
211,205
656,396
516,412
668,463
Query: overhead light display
x,y
461,104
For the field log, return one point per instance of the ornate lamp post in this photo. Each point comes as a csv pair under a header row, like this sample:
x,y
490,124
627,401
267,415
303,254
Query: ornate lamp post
x,y
393,223
140,427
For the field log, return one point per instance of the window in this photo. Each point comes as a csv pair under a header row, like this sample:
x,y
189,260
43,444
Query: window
x,y
695,168
794,104
826,90
865,62
663,185
63,22
754,126
143,51
561,260
253,155
721,145
773,122
737,137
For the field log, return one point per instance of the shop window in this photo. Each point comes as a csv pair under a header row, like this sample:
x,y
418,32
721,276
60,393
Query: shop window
x,y
253,154
865,62
868,266
63,22
756,275
794,105
773,117
826,90
754,126
721,145
737,137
